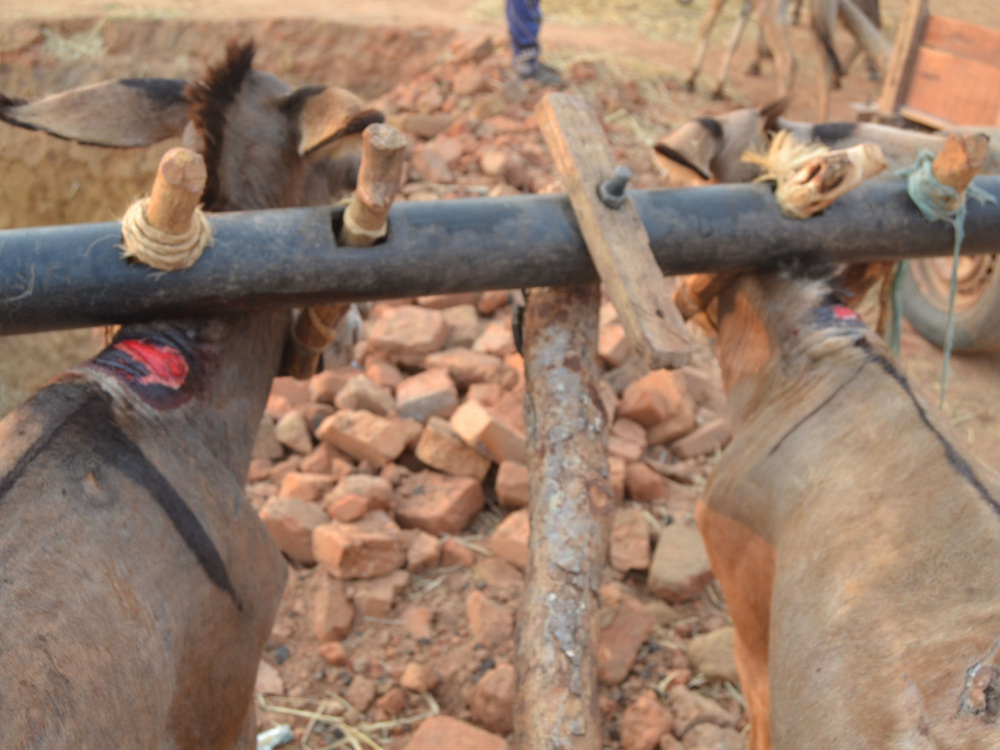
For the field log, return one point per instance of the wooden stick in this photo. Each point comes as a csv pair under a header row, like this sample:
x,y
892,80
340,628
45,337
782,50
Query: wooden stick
x,y
571,505
383,156
180,181
911,26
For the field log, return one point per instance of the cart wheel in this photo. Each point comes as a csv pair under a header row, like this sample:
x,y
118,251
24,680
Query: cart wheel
x,y
977,302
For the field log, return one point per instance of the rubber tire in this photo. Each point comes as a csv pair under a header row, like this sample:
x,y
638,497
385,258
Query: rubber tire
x,y
977,329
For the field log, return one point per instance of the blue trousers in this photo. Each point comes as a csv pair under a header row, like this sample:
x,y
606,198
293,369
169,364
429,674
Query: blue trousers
x,y
523,19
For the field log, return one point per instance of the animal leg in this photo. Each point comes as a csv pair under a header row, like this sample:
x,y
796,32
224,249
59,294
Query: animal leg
x,y
824,18
704,31
734,40
775,31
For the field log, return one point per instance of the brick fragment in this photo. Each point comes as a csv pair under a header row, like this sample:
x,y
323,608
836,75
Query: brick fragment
x,y
408,334
441,448
371,547
644,484
306,487
493,699
291,523
423,551
491,622
374,597
653,398
510,540
621,638
482,429
705,440
437,503
363,436
333,613
680,569
420,678
440,732
361,392
427,394
467,367
513,484
629,548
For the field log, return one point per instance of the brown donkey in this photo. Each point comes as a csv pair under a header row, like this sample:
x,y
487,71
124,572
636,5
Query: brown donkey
x,y
856,542
137,585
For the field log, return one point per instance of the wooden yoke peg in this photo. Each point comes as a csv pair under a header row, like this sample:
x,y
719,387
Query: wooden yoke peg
x,y
180,181
959,161
383,152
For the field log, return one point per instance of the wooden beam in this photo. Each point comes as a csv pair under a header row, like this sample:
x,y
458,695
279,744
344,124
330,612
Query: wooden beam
x,y
616,238
907,40
572,501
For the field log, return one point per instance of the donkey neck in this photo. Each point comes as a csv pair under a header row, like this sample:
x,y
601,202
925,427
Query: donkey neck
x,y
205,382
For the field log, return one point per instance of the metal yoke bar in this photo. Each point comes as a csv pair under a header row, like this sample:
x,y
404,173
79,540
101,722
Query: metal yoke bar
x,y
63,277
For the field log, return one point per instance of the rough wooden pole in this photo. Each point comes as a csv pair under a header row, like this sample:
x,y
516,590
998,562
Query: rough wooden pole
x,y
865,32
571,504
180,181
383,152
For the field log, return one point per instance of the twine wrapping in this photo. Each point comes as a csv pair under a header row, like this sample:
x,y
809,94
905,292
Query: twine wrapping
x,y
933,198
162,250
356,230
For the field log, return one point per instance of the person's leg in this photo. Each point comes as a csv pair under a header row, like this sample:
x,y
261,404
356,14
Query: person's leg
x,y
524,18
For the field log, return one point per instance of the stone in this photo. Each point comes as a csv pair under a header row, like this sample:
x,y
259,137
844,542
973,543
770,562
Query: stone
x,y
363,436
360,693
333,613
680,569
690,708
616,470
382,372
268,682
668,742
371,547
711,737
644,722
644,484
419,623
498,339
430,393
672,428
432,166
423,551
629,548
292,431
653,398
464,325
259,470
349,508
493,699
393,702
483,430
486,394
323,386
265,444
468,81
437,503
466,366
493,161
306,487
627,439
613,345
294,390
510,540
281,469
318,460
513,484
361,392
374,597
441,448
711,654
502,579
425,126
334,653
439,732
277,406
704,440
628,626
408,334
291,523
491,622
473,50
444,301
453,552
377,490
420,678
491,301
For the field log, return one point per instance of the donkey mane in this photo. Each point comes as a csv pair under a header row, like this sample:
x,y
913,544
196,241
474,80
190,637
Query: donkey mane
x,y
209,99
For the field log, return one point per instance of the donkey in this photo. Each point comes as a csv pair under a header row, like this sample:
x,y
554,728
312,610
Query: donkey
x,y
855,540
709,149
137,585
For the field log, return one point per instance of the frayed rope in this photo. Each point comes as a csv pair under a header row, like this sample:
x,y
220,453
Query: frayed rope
x,y
932,198
161,250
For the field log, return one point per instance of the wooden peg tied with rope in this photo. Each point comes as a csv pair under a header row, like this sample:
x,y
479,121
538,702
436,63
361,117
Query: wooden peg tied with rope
x,y
960,160
616,237
180,181
383,157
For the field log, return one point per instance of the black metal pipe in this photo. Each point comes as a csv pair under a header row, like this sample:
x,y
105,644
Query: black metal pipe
x,y
73,276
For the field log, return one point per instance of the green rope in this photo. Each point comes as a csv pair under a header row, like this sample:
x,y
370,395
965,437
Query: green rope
x,y
932,197
896,297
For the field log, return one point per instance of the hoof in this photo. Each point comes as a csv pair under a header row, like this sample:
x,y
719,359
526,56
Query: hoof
x,y
689,85
753,70
718,95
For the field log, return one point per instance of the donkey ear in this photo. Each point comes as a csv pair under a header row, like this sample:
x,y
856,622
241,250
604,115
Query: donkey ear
x,y
330,120
121,114
684,156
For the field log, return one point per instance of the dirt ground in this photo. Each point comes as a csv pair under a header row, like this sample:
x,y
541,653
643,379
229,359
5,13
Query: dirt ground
x,y
647,43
